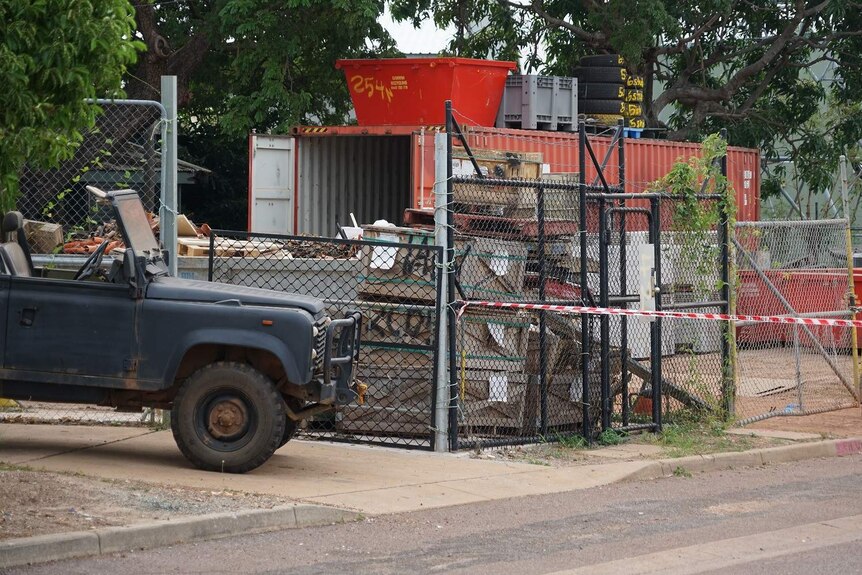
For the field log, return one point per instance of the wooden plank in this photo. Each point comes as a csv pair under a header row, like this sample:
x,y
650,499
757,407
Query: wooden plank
x,y
399,273
494,339
491,269
492,399
185,228
397,323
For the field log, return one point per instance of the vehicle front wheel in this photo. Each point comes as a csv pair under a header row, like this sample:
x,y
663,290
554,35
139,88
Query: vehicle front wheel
x,y
228,417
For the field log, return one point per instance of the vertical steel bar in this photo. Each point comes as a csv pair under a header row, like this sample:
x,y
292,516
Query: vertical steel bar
x,y
585,320
655,327
728,390
543,358
624,321
797,355
604,320
450,285
211,257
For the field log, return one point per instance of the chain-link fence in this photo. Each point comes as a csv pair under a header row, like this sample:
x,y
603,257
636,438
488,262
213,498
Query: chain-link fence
x,y
796,268
123,150
695,279
527,373
392,277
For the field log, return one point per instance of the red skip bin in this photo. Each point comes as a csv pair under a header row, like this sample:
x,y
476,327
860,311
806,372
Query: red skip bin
x,y
412,91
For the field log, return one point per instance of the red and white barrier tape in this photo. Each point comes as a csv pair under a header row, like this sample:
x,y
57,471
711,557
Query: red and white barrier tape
x,y
671,314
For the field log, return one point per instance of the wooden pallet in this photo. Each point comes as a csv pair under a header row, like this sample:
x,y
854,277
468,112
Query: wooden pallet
x,y
512,228
228,248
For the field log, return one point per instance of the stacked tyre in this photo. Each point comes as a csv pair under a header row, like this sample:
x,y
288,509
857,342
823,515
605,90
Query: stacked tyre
x,y
607,92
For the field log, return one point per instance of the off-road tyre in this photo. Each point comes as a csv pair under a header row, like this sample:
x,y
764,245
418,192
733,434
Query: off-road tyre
x,y
228,417
604,60
609,120
634,96
290,426
593,91
602,74
635,82
633,110
602,107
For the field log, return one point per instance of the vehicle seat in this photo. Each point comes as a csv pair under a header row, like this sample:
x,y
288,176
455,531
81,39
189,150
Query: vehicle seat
x,y
15,254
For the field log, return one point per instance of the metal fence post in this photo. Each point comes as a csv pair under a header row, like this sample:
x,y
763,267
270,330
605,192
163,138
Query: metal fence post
x,y
655,335
585,320
543,330
168,210
441,385
450,285
851,293
604,321
728,387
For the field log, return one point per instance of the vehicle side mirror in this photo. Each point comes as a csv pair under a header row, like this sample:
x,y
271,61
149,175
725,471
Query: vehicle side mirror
x,y
166,257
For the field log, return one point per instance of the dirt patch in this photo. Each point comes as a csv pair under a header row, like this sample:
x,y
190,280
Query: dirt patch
x,y
38,502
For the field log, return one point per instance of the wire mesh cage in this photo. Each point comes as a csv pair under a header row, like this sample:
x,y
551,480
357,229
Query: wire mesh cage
x,y
123,150
392,278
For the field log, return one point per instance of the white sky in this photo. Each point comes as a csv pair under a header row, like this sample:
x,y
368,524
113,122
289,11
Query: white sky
x,y
426,40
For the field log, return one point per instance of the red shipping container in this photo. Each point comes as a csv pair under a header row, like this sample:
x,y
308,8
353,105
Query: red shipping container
x,y
412,91
299,182
646,161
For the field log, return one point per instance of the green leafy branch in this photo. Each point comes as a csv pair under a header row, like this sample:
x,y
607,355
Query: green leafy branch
x,y
700,194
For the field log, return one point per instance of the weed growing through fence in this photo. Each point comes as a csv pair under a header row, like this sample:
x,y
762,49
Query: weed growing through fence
x,y
571,441
611,437
693,217
696,433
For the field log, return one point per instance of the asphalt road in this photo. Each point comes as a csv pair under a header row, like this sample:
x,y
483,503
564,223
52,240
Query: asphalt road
x,y
802,518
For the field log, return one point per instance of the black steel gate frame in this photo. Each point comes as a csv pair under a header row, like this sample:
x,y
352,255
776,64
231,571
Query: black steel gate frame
x,y
612,200
605,194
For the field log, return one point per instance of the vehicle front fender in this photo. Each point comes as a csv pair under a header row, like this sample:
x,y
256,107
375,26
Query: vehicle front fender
x,y
239,338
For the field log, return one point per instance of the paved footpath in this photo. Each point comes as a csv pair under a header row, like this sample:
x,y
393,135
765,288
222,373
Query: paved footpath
x,y
331,482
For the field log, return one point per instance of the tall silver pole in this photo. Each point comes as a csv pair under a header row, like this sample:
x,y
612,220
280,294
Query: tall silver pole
x,y
851,280
168,210
441,412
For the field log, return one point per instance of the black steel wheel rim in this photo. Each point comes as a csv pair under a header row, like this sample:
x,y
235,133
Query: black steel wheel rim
x,y
225,420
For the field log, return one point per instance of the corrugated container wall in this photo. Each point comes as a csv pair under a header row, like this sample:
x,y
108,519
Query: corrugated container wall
x,y
300,183
645,160
366,175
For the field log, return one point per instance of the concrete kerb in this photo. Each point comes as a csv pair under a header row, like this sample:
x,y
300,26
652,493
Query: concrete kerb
x,y
753,458
107,540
